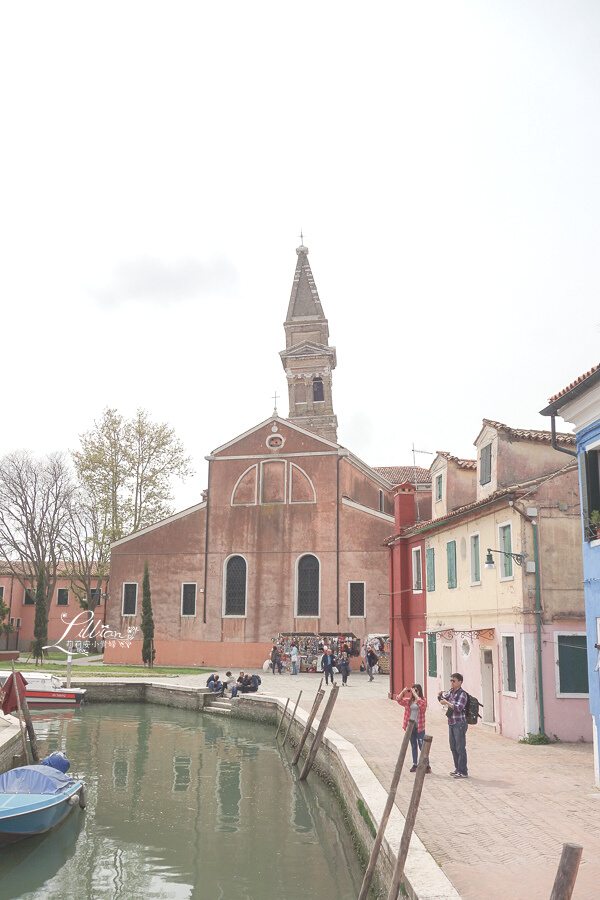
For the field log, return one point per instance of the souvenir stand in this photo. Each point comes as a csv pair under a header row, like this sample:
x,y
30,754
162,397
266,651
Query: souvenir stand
x,y
381,644
310,647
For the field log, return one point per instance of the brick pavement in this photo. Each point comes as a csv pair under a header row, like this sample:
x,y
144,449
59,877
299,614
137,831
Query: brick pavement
x,y
508,821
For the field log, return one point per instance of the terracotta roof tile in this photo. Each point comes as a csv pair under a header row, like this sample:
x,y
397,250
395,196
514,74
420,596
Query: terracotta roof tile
x,y
401,474
522,487
461,463
573,384
526,434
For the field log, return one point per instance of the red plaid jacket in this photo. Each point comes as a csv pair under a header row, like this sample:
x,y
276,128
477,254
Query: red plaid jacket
x,y
422,704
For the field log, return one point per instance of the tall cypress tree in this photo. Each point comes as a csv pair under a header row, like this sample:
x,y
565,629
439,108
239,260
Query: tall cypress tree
x,y
40,628
148,651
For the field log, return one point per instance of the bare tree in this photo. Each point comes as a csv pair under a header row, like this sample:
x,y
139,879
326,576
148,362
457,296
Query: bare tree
x,y
86,550
35,501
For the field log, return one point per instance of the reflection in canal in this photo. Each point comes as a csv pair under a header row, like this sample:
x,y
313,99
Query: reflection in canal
x,y
181,806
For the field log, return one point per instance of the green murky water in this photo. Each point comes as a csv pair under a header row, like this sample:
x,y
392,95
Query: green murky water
x,y
181,806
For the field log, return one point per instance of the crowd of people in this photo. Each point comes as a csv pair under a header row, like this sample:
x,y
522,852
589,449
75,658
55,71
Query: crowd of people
x,y
244,684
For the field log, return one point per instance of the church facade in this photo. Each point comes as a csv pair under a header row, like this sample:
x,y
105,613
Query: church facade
x,y
289,539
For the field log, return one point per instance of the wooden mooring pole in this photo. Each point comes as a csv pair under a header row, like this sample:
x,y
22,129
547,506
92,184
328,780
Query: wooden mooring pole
x,y
282,715
292,719
386,812
316,703
410,817
567,872
308,764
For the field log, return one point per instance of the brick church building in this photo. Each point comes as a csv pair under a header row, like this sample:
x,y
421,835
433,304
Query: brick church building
x,y
287,540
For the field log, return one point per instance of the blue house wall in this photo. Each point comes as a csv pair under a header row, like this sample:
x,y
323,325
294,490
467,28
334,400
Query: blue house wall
x,y
591,575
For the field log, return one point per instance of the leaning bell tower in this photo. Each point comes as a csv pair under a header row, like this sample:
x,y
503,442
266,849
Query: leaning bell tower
x,y
308,359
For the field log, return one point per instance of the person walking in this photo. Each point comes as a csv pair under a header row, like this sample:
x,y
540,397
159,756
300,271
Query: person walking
x,y
455,701
344,667
276,659
371,660
414,704
327,664
294,656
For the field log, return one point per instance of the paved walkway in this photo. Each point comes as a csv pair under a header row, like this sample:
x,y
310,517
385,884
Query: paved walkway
x,y
497,835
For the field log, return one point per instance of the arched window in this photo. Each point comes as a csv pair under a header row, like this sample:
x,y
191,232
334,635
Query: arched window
x,y
308,586
318,390
235,586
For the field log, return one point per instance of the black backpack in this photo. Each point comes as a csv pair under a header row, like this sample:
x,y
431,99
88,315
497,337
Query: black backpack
x,y
472,709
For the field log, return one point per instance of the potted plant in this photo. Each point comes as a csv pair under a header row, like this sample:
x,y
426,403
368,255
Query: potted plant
x,y
594,522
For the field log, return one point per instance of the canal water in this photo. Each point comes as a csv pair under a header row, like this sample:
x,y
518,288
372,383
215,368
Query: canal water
x,y
181,806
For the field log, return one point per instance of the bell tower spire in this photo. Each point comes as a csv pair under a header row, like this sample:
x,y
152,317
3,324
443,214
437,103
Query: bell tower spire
x,y
308,359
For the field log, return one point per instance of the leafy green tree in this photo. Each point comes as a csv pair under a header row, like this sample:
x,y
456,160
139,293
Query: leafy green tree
x,y
148,651
40,628
5,627
126,467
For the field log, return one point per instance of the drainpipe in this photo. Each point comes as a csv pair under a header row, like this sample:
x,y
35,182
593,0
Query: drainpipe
x,y
206,541
337,545
553,439
538,606
538,616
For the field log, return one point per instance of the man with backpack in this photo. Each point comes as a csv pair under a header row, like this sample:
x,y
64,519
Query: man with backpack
x,y
455,700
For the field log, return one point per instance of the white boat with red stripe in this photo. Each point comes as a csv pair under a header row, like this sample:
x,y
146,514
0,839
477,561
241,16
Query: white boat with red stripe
x,y
45,690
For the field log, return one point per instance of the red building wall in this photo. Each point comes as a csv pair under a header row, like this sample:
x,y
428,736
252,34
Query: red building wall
x,y
271,506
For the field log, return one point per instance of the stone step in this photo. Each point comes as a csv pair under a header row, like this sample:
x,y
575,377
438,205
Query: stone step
x,y
220,710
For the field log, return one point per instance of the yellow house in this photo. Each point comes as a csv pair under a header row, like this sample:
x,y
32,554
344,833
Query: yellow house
x,y
504,587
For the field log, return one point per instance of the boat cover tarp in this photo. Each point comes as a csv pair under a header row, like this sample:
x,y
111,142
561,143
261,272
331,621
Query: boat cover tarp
x,y
34,780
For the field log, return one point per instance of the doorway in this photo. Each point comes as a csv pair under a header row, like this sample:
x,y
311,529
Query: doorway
x,y
446,666
487,686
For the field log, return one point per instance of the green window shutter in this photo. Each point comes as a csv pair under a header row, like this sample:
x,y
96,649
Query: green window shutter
x,y
572,664
430,566
476,574
506,544
432,655
451,556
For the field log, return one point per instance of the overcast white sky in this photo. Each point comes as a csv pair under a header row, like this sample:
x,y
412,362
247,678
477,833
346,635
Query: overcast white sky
x,y
158,161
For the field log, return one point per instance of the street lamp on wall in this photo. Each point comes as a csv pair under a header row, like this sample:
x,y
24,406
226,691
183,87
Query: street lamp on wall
x,y
489,560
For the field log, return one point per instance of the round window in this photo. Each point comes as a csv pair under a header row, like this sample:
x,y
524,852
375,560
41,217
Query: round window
x,y
275,441
465,648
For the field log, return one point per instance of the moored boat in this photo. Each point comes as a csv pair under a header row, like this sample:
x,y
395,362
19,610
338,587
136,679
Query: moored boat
x,y
34,799
44,689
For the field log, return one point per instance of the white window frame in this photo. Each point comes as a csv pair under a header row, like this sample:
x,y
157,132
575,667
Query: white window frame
x,y
123,613
364,615
188,615
224,614
57,592
558,634
502,555
417,569
439,480
474,534
296,614
503,636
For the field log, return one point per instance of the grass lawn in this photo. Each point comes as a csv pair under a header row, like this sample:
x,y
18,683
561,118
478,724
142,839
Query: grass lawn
x,y
58,666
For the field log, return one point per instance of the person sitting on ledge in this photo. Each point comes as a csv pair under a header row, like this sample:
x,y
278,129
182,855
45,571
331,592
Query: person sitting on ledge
x,y
229,684
213,683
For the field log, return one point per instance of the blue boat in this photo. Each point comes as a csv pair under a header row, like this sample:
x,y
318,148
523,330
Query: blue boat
x,y
34,799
